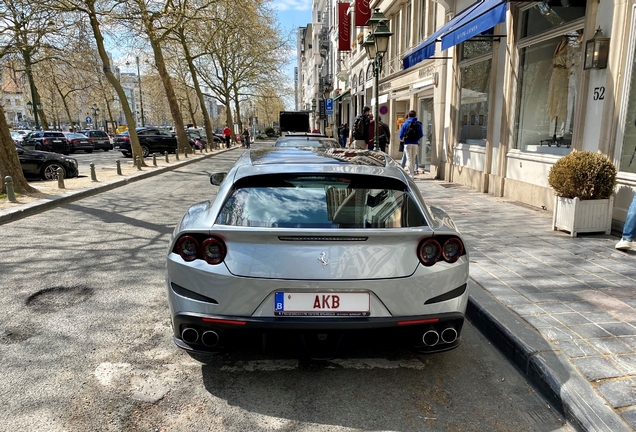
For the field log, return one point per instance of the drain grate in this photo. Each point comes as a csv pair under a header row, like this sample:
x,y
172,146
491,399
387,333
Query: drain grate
x,y
60,297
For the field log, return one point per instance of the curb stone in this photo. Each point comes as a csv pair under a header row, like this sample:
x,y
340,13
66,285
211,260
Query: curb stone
x,y
547,369
29,209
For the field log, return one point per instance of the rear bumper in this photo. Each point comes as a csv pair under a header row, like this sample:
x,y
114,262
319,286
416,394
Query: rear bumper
x,y
322,338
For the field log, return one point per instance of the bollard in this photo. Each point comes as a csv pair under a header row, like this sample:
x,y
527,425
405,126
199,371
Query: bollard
x,y
154,159
167,160
138,162
93,175
118,167
60,178
8,182
176,154
185,152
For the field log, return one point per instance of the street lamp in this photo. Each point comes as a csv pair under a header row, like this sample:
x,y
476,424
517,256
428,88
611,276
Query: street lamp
x,y
141,99
95,111
376,45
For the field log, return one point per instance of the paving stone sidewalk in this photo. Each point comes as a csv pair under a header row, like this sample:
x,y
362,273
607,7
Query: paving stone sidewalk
x,y
578,293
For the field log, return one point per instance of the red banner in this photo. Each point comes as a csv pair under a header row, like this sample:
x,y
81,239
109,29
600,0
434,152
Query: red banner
x,y
344,27
363,12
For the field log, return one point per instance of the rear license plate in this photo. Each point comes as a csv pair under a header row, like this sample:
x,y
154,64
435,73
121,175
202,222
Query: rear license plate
x,y
321,304
57,141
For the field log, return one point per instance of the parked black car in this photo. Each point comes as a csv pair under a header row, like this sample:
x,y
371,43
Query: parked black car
x,y
101,141
52,141
79,141
152,140
44,165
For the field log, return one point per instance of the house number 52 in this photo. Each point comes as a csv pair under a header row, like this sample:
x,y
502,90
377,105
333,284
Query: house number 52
x,y
599,93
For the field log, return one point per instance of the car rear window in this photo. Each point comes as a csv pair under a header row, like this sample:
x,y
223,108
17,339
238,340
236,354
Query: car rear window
x,y
304,142
319,201
53,134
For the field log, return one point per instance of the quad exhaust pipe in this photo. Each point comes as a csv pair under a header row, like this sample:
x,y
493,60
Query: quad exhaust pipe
x,y
432,338
449,335
189,335
210,338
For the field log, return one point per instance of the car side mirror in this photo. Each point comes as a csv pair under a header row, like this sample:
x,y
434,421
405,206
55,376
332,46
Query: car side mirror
x,y
217,178
19,150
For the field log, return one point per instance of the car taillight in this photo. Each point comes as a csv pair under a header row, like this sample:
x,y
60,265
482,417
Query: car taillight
x,y
452,249
125,138
431,251
45,141
90,140
187,247
211,249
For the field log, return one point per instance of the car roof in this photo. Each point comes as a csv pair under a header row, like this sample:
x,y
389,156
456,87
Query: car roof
x,y
273,160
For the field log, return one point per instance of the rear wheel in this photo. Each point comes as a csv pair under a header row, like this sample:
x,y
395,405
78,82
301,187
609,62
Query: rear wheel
x,y
49,171
145,151
106,149
38,147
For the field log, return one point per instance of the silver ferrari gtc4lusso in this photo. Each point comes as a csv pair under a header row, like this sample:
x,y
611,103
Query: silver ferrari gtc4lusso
x,y
316,246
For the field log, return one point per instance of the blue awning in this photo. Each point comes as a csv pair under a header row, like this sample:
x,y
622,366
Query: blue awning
x,y
472,21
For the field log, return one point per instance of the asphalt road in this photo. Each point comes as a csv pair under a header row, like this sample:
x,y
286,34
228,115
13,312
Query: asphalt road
x,y
86,344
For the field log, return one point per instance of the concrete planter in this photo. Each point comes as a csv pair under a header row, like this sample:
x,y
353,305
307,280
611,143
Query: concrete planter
x,y
582,216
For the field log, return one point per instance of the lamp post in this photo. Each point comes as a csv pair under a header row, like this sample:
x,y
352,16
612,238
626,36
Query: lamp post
x,y
376,45
141,99
95,112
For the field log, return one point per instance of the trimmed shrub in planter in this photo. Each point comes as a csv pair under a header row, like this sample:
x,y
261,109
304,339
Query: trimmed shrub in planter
x,y
583,183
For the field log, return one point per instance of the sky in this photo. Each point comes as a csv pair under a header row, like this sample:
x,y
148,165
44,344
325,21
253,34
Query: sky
x,y
291,15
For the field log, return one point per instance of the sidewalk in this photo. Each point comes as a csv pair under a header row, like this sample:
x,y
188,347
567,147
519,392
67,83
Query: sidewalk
x,y
562,309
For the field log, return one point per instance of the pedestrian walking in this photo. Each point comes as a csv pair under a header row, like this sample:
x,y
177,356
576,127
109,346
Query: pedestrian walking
x,y
227,134
629,229
411,133
371,139
384,136
360,130
246,138
344,135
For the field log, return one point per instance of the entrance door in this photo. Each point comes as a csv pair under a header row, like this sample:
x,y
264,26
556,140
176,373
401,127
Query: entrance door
x,y
427,117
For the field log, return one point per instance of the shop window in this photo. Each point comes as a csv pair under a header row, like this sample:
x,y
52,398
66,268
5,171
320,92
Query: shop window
x,y
370,72
628,153
407,26
548,81
550,15
475,91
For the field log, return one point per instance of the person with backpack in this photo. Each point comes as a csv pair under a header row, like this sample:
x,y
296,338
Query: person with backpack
x,y
384,134
360,130
411,133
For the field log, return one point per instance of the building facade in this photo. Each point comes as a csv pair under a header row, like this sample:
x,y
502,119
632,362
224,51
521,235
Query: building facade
x,y
502,88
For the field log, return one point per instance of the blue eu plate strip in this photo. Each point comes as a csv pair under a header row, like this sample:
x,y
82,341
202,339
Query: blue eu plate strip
x,y
279,300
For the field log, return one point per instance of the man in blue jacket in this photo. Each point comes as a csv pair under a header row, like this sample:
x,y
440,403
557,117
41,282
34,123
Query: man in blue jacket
x,y
411,133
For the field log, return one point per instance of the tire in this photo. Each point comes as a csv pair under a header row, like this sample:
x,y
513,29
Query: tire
x,y
145,151
106,149
49,171
37,147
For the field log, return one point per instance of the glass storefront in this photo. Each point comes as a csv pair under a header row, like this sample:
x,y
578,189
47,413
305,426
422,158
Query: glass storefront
x,y
475,66
548,80
426,115
549,68
628,153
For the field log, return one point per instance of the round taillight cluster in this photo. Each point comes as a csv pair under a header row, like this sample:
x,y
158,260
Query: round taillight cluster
x,y
431,251
211,249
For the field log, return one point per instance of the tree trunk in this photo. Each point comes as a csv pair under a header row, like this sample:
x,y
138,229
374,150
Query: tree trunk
x,y
197,89
9,161
43,120
112,79
155,43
